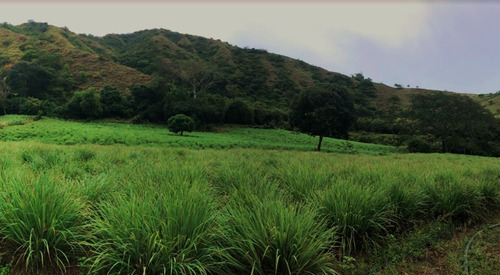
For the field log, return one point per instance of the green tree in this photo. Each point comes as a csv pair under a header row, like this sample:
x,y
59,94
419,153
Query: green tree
x,y
150,99
180,123
325,110
239,112
111,101
460,124
29,80
84,104
3,95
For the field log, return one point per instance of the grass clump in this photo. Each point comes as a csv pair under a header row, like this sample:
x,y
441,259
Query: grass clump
x,y
362,214
168,230
42,224
267,236
449,197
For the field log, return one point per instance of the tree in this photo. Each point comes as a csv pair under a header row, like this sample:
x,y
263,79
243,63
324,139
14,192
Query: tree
x,y
239,112
85,104
111,102
3,95
460,124
199,76
325,110
180,123
29,79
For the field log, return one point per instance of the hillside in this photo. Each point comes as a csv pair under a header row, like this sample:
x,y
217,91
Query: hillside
x,y
82,60
123,60
152,75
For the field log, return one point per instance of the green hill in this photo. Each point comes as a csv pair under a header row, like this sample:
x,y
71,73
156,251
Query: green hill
x,y
151,75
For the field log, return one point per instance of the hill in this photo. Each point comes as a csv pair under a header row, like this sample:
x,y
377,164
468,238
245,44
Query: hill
x,y
151,75
82,61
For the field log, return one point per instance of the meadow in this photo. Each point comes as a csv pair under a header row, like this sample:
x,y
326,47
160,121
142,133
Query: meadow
x,y
56,131
114,198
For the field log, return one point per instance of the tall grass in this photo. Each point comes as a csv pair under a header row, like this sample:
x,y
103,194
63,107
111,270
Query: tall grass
x,y
42,223
164,231
265,235
449,196
362,214
152,209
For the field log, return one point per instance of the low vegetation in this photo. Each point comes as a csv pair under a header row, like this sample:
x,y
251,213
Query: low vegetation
x,y
151,76
160,208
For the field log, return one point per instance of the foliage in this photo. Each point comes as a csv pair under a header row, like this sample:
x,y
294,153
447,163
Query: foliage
x,y
158,232
163,205
239,112
362,215
459,123
43,225
84,104
323,111
112,102
180,123
55,131
29,79
267,236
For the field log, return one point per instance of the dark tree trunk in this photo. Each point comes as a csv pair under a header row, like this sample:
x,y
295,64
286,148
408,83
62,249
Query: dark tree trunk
x,y
319,143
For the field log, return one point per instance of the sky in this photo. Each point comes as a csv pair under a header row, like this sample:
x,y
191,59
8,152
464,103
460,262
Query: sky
x,y
442,45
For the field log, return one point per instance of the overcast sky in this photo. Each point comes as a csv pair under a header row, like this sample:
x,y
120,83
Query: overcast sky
x,y
442,45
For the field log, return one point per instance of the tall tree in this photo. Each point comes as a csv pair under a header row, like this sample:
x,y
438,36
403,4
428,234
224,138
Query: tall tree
x,y
199,76
325,110
29,80
457,121
3,96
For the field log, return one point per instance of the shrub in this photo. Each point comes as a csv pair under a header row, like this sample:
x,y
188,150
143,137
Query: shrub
x,y
239,112
419,145
180,123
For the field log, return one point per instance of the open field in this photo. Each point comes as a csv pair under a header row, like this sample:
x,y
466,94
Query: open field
x,y
147,201
55,131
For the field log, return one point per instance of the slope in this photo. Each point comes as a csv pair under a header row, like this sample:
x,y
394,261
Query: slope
x,y
83,62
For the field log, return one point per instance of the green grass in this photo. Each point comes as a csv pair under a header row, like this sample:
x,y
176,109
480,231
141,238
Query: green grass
x,y
55,131
166,206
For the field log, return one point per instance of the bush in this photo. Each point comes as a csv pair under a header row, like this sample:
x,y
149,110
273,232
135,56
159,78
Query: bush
x,y
419,145
180,123
84,104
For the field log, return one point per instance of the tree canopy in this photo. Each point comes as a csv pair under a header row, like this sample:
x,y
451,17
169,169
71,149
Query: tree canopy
x,y
460,124
325,110
180,123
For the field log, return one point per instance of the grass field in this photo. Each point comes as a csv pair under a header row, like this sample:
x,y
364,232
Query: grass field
x,y
139,200
55,131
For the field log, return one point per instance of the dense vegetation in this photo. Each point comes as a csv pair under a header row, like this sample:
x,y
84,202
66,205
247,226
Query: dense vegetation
x,y
150,76
156,202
